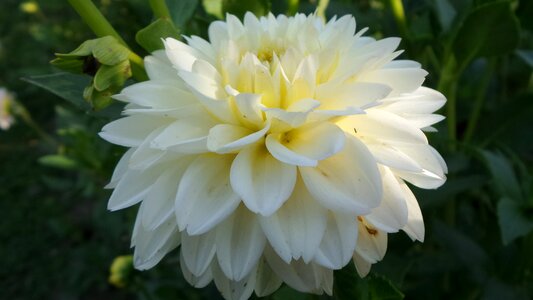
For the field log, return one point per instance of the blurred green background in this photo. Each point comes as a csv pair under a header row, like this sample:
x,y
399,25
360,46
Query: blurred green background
x,y
59,241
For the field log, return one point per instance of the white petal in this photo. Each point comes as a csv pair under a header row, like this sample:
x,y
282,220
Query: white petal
x,y
132,188
433,166
204,196
296,229
267,282
234,290
158,205
263,182
151,246
361,265
158,67
185,135
239,242
371,242
358,94
301,276
383,126
346,182
197,281
422,101
391,215
386,154
198,251
248,106
339,241
121,169
157,94
403,80
226,138
131,131
145,156
415,222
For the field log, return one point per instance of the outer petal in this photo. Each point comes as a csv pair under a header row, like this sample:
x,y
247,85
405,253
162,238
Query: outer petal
x,y
301,276
391,215
188,135
267,281
371,242
296,229
263,182
157,94
339,241
158,205
415,222
361,265
196,281
151,246
347,182
240,243
204,196
132,130
198,251
234,290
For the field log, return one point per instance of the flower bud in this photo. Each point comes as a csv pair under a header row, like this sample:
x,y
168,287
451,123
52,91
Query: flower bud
x,y
120,271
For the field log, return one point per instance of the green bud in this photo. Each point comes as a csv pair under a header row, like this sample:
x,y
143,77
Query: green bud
x,y
104,59
121,270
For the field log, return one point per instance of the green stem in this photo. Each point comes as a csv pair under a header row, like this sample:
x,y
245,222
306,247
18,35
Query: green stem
x,y
399,17
293,7
448,86
160,9
94,19
479,101
101,27
321,8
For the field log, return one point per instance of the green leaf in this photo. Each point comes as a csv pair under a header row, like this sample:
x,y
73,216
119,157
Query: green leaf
x,y
348,285
526,56
181,11
513,219
65,85
150,37
504,177
239,8
58,161
491,29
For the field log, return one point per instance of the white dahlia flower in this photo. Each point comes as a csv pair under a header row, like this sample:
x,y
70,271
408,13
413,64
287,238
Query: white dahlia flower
x,y
277,151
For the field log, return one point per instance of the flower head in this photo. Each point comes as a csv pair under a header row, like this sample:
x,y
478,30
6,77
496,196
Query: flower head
x,y
277,151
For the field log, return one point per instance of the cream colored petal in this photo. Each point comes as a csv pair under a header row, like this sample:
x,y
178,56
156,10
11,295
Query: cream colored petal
x,y
240,243
198,251
371,242
205,197
226,138
263,182
267,282
233,290
197,281
415,222
346,182
391,214
338,243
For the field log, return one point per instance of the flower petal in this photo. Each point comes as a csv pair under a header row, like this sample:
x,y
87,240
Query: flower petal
x,y
158,205
198,251
263,182
371,242
188,135
132,188
197,281
296,229
152,245
361,265
226,138
301,276
415,223
234,290
131,131
204,196
338,243
346,182
391,214
267,282
240,243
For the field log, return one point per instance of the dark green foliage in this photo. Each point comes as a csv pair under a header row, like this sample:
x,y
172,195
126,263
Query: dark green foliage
x,y
59,240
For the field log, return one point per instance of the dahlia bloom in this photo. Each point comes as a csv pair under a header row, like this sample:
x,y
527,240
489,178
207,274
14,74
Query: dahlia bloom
x,y
275,152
